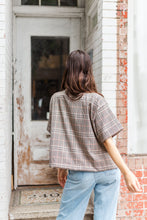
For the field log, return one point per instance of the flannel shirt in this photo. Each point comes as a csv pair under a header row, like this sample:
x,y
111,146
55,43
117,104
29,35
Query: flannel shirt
x,y
77,132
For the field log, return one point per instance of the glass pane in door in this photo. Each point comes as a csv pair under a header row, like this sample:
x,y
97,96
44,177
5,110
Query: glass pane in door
x,y
68,2
48,56
30,2
49,2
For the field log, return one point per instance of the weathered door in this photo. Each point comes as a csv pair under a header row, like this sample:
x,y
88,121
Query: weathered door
x,y
42,45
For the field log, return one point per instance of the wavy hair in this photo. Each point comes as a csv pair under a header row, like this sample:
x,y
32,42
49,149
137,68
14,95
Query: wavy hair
x,y
78,75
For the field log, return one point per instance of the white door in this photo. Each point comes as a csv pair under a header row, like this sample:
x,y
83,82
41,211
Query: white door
x,y
41,47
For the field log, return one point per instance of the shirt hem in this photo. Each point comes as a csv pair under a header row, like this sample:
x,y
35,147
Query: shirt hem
x,y
68,167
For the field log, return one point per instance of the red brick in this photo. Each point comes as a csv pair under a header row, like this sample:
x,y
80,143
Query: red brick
x,y
122,118
123,150
123,134
122,103
145,173
128,213
124,189
145,162
132,162
138,173
122,86
122,70
145,213
122,14
138,205
121,6
126,197
122,78
145,204
139,196
122,62
122,54
145,189
138,212
121,110
122,95
138,163
144,180
121,143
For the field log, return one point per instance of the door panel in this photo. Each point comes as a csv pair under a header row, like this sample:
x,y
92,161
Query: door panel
x,y
42,45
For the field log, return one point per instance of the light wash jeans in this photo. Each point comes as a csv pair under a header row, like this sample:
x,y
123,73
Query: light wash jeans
x,y
77,191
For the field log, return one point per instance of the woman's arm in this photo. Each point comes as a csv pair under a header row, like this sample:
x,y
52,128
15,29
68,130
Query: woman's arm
x,y
131,180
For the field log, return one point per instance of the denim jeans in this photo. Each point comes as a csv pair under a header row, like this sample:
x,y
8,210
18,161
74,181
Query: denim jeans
x,y
77,191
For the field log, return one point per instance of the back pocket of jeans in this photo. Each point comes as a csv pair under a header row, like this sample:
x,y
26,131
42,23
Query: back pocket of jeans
x,y
75,175
111,172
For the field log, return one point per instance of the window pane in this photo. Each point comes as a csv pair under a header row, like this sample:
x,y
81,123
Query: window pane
x,y
49,2
68,2
30,2
94,20
48,63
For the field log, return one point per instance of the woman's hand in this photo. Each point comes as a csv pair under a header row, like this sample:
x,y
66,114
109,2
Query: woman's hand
x,y
132,182
62,176
130,179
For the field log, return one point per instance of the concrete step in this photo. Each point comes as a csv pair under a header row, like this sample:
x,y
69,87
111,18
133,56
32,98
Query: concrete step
x,y
87,217
40,203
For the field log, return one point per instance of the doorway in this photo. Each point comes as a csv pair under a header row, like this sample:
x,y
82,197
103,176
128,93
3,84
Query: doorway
x,y
41,48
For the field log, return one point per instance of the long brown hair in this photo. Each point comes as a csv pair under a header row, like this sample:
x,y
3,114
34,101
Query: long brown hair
x,y
78,75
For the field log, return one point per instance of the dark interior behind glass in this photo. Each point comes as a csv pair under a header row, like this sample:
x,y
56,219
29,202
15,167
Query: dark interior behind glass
x,y
68,3
50,2
48,56
30,2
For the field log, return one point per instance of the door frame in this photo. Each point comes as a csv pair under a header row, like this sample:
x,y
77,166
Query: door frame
x,y
40,12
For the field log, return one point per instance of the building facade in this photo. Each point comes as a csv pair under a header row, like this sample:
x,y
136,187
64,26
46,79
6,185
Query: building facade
x,y
35,39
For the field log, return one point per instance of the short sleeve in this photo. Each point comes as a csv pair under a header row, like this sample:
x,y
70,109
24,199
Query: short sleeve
x,y
50,116
105,122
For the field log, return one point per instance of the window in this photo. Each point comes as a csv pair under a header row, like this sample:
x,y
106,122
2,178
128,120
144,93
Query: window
x,y
90,53
48,56
92,22
137,77
70,3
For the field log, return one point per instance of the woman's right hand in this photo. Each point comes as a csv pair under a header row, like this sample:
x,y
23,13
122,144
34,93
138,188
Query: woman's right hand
x,y
132,182
130,179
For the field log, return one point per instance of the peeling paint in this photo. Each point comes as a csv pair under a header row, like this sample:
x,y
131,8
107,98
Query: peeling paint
x,y
32,165
23,149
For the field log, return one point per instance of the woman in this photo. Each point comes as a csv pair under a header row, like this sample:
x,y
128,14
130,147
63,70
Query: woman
x,y
81,146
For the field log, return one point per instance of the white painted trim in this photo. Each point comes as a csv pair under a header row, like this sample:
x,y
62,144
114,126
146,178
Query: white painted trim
x,y
109,28
17,2
130,74
92,8
15,81
43,11
134,146
81,3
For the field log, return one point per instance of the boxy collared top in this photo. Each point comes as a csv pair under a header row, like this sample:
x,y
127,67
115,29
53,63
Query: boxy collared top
x,y
78,130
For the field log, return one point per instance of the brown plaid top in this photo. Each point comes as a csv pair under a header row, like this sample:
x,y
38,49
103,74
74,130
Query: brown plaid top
x,y
78,130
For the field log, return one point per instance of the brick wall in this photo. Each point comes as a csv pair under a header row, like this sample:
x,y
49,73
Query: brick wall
x,y
5,106
130,205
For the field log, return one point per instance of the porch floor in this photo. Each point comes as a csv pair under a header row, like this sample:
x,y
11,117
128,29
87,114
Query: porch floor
x,y
39,202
